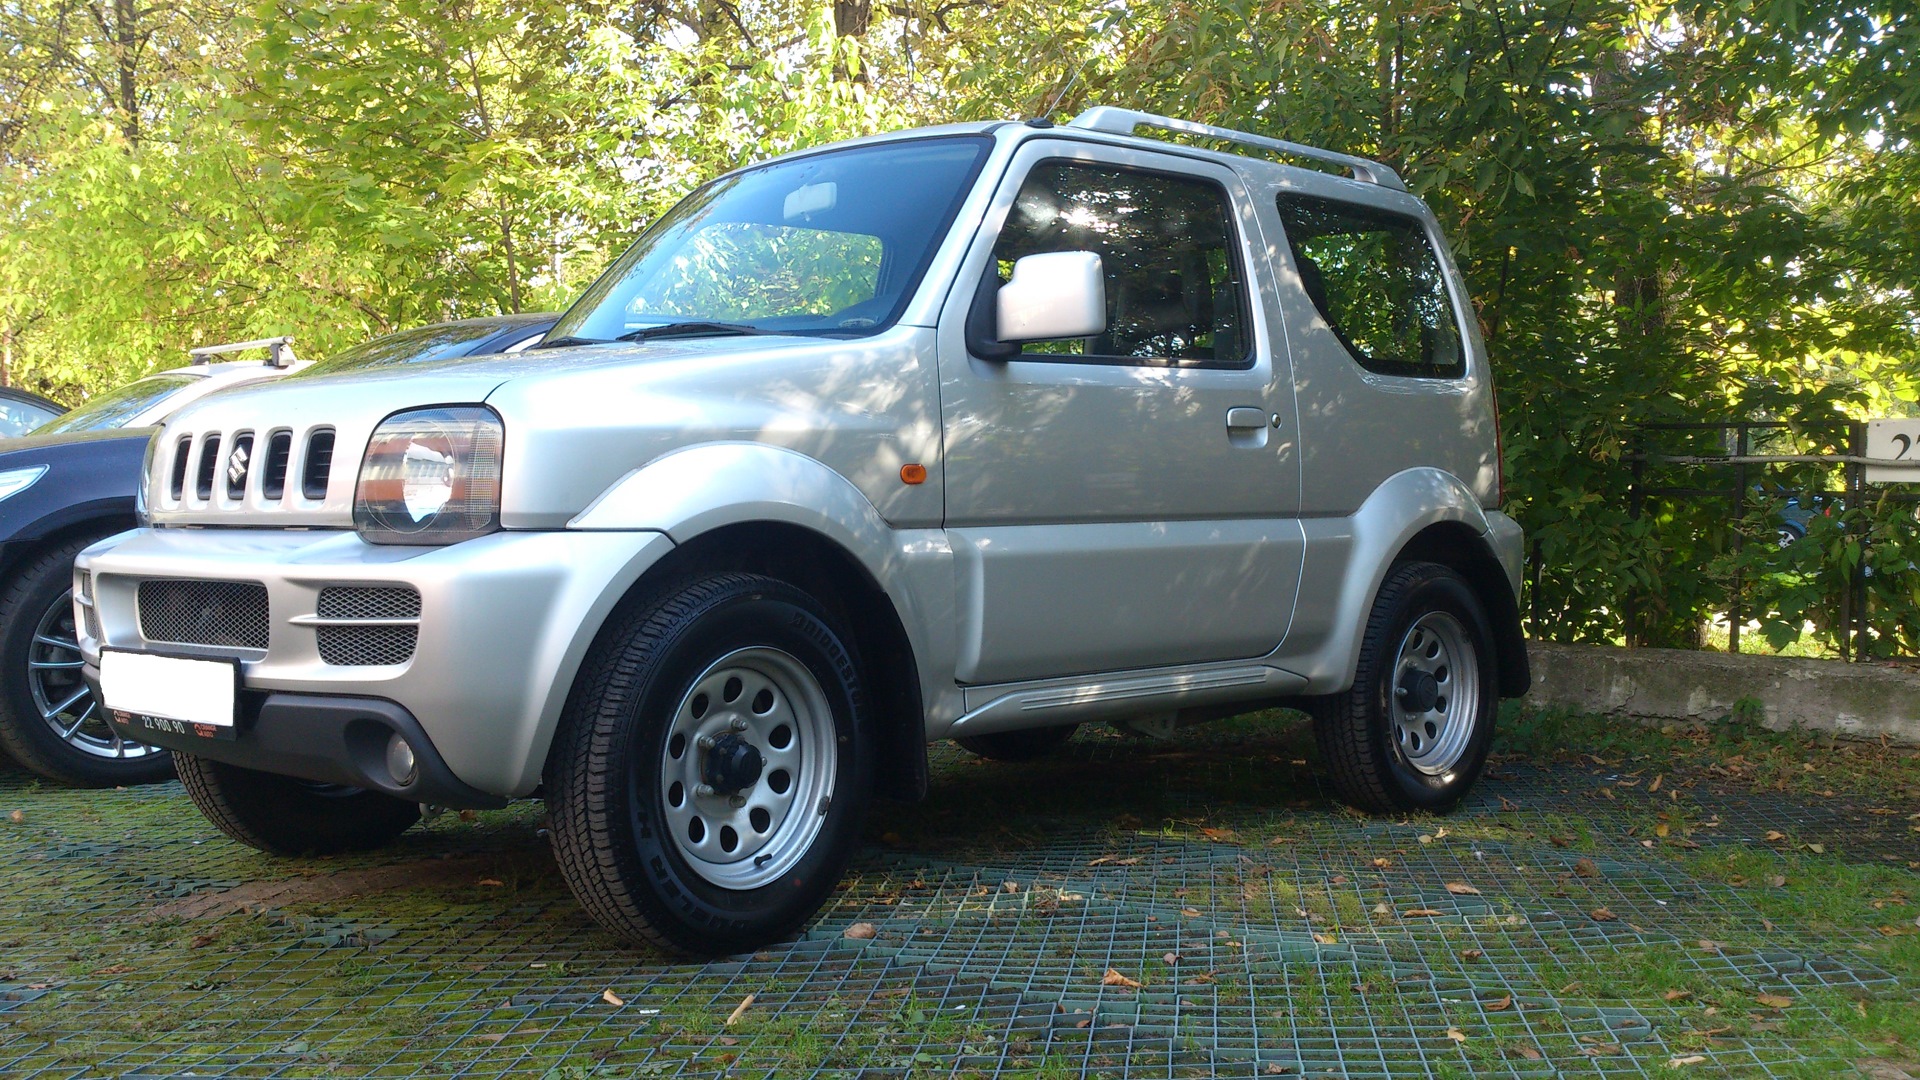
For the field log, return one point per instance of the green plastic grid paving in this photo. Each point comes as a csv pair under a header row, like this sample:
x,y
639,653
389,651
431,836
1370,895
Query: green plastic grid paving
x,y
1252,928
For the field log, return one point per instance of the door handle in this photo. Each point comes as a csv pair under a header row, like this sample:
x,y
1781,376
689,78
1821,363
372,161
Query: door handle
x,y
1245,417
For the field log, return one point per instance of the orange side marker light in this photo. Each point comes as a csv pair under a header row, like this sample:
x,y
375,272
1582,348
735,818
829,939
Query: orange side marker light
x,y
913,474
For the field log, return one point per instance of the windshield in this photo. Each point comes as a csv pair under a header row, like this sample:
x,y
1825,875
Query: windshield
x,y
830,243
116,407
415,346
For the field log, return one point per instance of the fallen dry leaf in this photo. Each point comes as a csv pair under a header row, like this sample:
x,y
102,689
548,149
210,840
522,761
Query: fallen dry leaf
x,y
1773,1001
1326,939
1191,913
612,998
1010,887
18,817
1420,913
1114,978
1382,864
1601,914
1274,1068
728,1040
1586,868
1456,1034
860,931
1458,888
1499,1004
1221,835
115,969
1690,1059
1657,781
493,882
1678,995
1774,835
1171,958
1527,1052
739,1011
1472,954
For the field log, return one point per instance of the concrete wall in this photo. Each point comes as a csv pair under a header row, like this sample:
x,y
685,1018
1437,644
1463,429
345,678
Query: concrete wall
x,y
1865,701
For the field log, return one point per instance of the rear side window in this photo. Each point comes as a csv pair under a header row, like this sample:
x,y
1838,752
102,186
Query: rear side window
x,y
1375,279
1175,293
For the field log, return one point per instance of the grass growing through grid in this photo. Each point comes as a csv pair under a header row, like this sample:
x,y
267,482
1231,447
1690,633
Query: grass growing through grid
x,y
1616,900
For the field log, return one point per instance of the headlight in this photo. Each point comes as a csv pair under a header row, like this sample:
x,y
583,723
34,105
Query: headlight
x,y
431,476
15,481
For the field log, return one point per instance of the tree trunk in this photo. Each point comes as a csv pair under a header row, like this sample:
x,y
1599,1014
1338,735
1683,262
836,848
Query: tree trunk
x,y
127,42
852,17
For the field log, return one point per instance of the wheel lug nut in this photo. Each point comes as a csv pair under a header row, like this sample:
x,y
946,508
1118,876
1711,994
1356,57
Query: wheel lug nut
x,y
737,801
704,742
705,791
738,724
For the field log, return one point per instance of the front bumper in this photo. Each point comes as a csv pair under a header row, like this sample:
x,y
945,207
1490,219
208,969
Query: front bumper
x,y
504,623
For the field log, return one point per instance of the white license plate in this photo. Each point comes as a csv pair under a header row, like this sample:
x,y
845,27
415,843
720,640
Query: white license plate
x,y
186,694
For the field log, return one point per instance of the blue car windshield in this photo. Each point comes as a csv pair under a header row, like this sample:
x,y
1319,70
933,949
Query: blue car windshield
x,y
830,243
116,407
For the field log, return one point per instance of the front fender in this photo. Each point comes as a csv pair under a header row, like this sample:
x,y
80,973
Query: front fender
x,y
694,491
1348,558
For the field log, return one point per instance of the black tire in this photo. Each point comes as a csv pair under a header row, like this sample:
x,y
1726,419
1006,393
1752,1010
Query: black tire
x,y
1386,757
633,857
288,816
49,721
1027,745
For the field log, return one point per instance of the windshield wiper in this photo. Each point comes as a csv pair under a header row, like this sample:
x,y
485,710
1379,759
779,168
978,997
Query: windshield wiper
x,y
691,326
563,342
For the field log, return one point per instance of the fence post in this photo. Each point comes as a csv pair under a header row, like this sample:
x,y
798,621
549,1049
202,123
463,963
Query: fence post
x,y
1637,444
1735,614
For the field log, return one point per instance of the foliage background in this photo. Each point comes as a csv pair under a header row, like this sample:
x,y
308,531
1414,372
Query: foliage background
x,y
1665,210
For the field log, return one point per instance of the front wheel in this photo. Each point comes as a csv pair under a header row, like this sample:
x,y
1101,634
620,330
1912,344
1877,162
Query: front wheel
x,y
49,720
1413,732
287,816
711,771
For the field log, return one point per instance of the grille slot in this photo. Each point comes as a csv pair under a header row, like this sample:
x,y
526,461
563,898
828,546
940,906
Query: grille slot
x,y
239,464
232,614
273,483
367,625
209,461
86,605
367,646
180,454
319,465
368,602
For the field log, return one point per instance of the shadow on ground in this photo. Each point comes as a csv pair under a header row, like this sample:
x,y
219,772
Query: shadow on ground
x,y
1197,908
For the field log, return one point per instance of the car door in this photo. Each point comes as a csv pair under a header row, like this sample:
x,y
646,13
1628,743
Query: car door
x,y
1127,500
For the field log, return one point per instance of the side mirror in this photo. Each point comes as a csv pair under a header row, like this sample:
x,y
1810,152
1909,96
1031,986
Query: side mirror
x,y
1060,294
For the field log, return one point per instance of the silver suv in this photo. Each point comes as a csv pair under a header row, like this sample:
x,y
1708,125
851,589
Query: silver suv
x,y
974,432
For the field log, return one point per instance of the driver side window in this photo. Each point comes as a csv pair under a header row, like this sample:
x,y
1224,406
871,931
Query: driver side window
x,y
1175,291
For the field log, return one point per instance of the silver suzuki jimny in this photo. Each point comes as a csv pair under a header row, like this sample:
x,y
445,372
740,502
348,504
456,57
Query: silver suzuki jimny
x,y
973,432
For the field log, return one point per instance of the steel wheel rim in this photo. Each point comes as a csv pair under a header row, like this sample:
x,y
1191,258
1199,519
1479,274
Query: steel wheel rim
x,y
746,836
1433,735
62,698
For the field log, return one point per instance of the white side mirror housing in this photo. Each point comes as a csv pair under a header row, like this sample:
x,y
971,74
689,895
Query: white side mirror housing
x,y
1060,294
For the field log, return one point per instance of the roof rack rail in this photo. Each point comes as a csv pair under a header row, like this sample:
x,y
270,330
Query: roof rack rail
x,y
279,351
1117,121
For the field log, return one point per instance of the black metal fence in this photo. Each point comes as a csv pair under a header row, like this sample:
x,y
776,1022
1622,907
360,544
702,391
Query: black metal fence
x,y
1773,521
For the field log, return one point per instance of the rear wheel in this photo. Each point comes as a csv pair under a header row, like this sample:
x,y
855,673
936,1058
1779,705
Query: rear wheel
x,y
1026,745
49,720
288,816
1413,732
710,774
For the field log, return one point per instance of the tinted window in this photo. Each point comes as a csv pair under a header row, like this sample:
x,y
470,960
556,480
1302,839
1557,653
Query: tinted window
x,y
1375,279
116,407
1166,246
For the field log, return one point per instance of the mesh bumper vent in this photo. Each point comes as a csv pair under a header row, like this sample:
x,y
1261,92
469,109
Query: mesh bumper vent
x,y
380,624
232,614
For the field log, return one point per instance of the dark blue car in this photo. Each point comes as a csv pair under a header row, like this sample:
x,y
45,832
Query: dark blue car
x,y
72,483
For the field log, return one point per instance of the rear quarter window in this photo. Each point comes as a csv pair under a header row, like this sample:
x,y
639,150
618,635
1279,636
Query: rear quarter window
x,y
1374,277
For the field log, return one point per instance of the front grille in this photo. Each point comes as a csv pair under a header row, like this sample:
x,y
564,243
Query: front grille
x,y
368,602
367,646
224,613
239,464
279,450
319,467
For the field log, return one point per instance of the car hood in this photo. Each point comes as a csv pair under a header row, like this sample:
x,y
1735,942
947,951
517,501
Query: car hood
x,y
34,449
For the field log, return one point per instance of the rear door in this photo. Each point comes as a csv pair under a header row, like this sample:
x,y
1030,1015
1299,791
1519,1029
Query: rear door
x,y
1127,500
